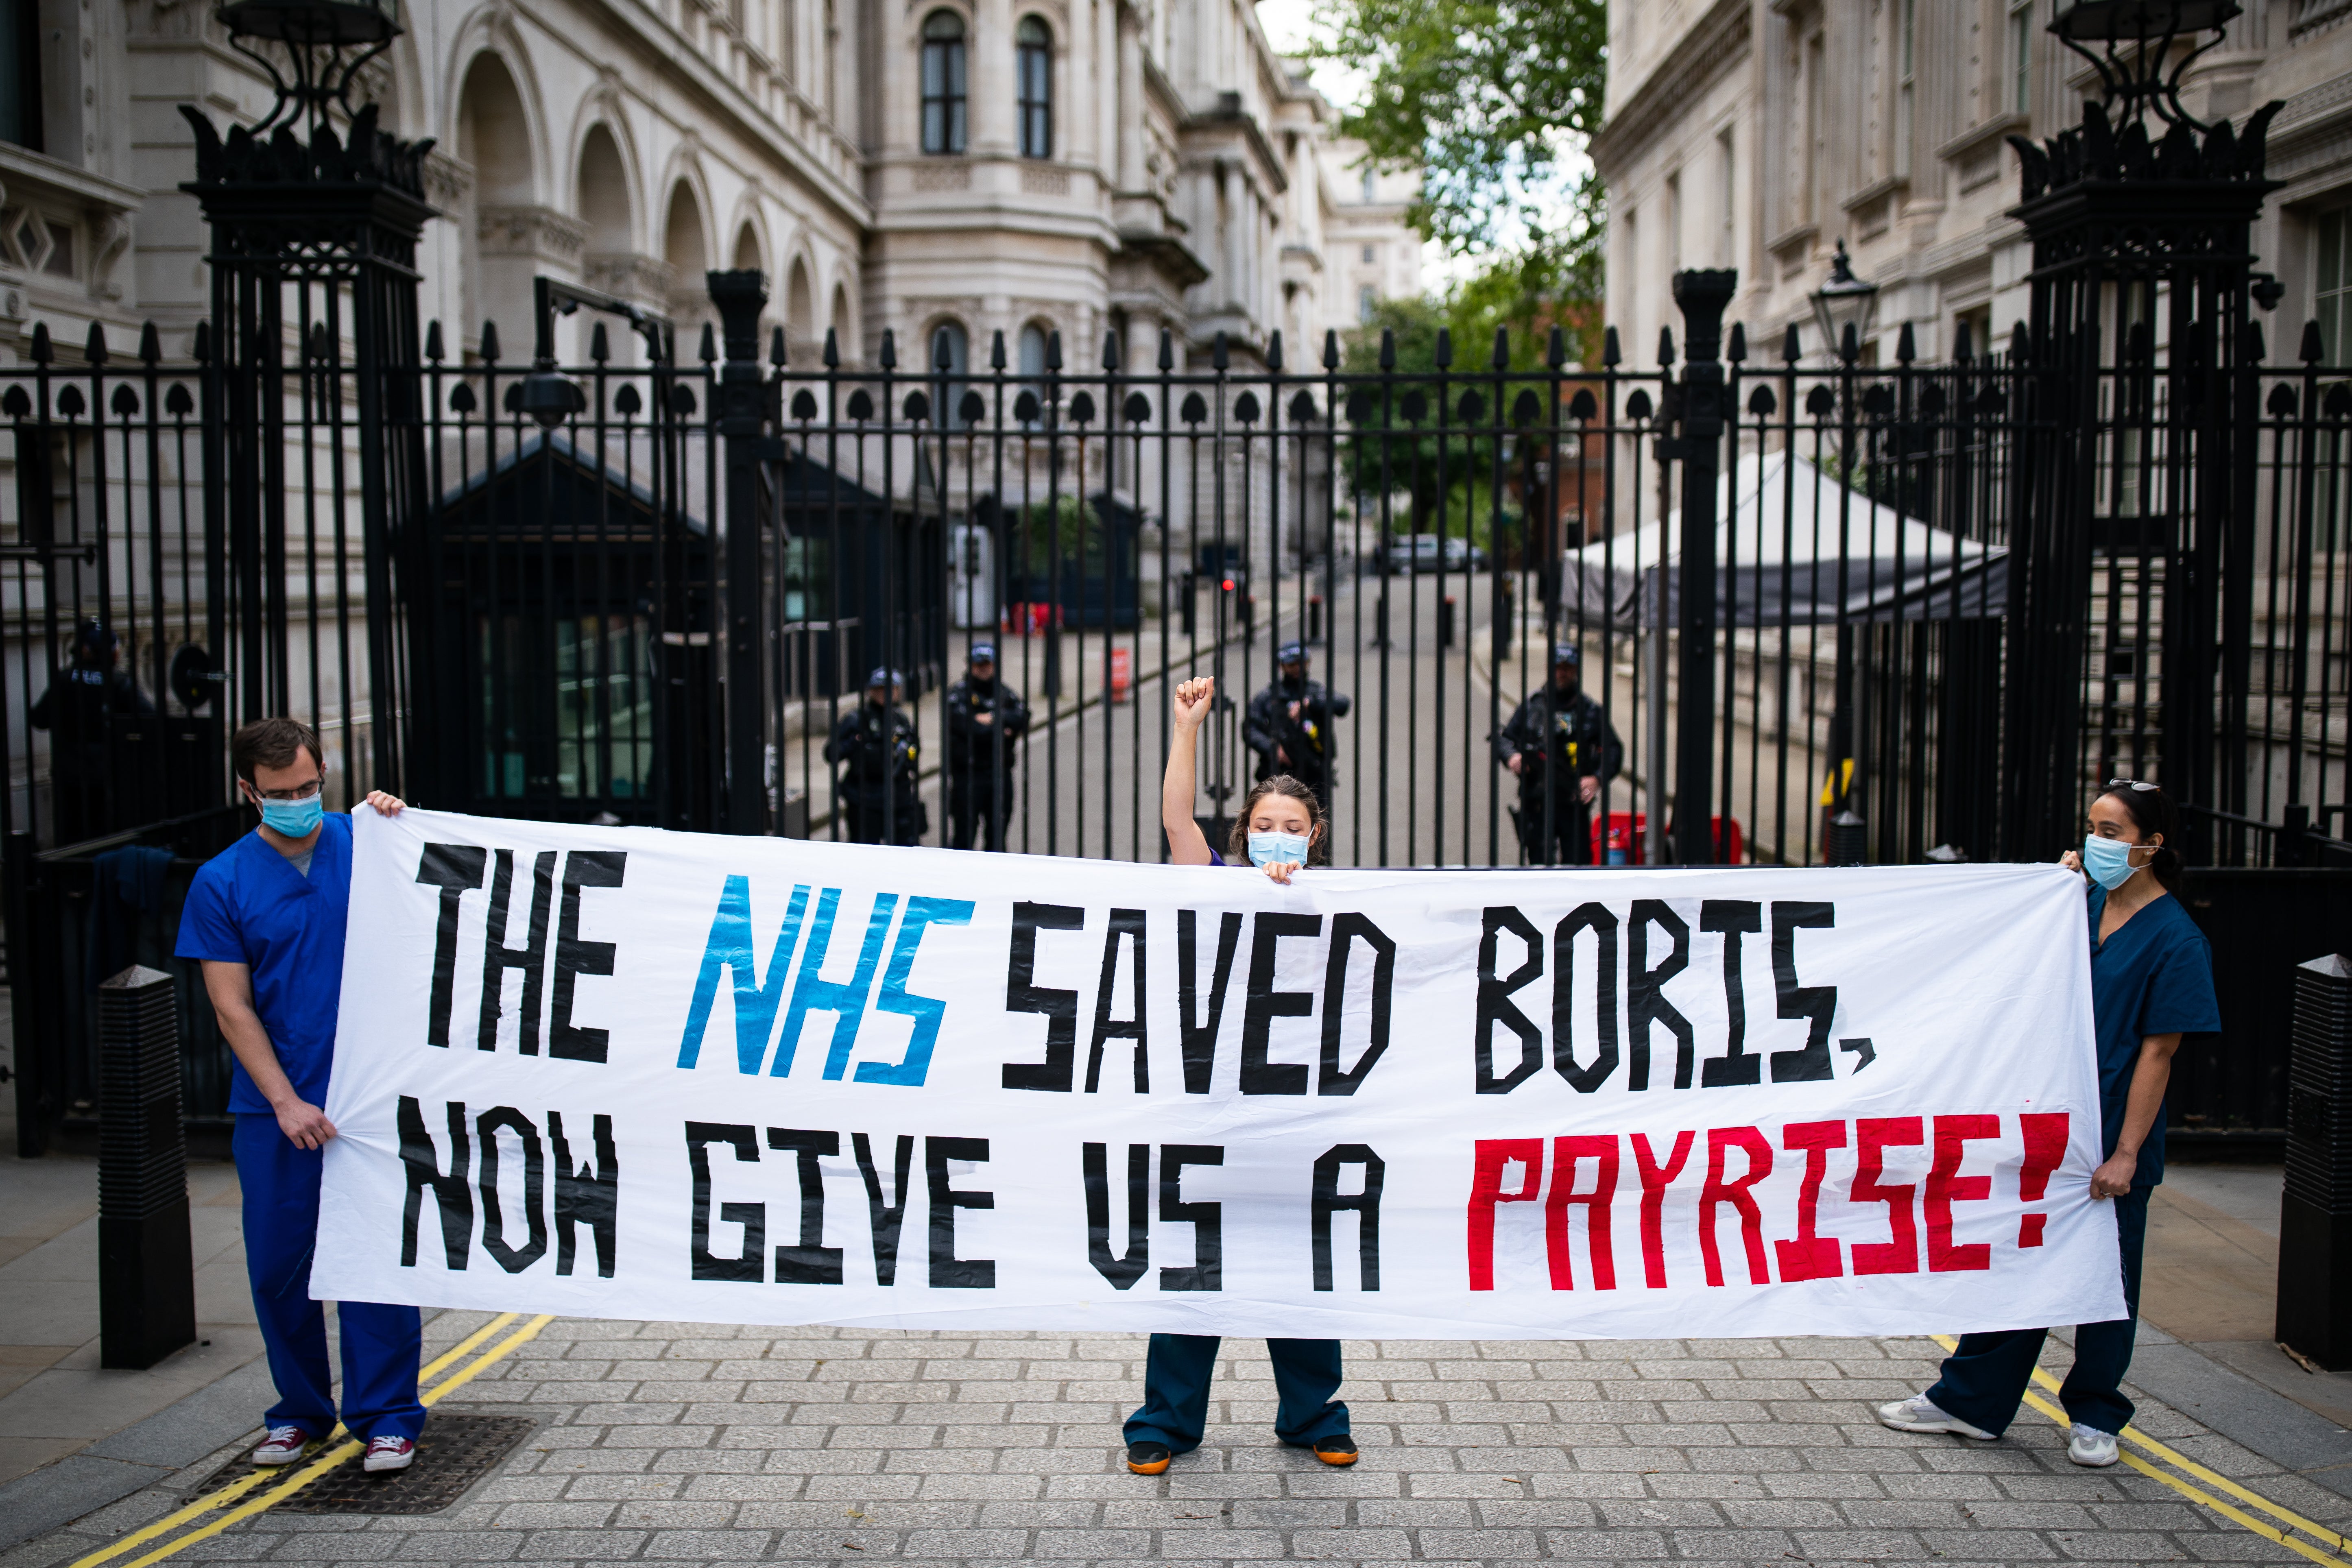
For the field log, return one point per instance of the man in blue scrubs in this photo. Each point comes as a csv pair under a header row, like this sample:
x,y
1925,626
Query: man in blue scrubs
x,y
266,918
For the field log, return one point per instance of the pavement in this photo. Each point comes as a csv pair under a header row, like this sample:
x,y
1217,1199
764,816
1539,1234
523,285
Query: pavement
x,y
680,1442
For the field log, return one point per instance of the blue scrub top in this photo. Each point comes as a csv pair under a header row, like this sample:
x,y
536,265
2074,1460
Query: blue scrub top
x,y
249,905
2153,976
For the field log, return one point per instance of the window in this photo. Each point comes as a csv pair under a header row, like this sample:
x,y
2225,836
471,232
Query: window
x,y
943,83
1979,323
950,344
1371,254
1035,63
1816,130
1727,170
1674,222
2334,280
1371,187
1032,363
20,73
2021,56
1904,111
1367,299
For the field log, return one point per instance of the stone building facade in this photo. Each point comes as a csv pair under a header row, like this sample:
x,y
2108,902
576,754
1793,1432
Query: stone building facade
x,y
956,167
1757,133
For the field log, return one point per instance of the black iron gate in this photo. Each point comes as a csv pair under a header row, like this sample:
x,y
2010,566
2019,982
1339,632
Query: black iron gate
x,y
1831,609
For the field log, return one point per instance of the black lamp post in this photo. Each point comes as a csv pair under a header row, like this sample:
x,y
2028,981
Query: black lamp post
x,y
1844,306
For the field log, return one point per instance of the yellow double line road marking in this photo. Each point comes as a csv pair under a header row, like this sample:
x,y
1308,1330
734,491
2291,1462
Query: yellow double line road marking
x,y
271,1487
2337,1548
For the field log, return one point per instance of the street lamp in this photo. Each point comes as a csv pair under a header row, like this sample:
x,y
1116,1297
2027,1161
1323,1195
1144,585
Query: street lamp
x,y
1843,308
313,21
2145,28
326,41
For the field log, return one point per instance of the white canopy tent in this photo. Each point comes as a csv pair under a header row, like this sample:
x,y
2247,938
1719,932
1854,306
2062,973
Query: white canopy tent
x,y
1777,547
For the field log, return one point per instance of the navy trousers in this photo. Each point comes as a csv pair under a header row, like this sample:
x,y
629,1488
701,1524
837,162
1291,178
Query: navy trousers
x,y
380,1343
1986,1378
1176,1376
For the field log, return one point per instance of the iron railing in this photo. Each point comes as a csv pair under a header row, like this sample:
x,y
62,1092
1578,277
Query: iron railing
x,y
572,604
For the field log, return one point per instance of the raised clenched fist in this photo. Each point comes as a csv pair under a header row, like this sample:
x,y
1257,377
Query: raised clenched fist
x,y
1192,701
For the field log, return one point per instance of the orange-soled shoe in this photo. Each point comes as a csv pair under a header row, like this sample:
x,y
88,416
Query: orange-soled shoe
x,y
1147,1459
1339,1450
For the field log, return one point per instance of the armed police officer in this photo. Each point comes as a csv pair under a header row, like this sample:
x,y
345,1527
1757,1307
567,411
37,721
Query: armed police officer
x,y
986,719
1563,749
92,712
1289,725
876,789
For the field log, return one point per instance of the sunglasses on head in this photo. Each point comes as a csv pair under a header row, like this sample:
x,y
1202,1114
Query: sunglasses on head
x,y
2128,784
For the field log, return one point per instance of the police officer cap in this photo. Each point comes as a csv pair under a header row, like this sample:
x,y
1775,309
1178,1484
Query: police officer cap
x,y
982,653
93,640
1568,654
883,676
1291,653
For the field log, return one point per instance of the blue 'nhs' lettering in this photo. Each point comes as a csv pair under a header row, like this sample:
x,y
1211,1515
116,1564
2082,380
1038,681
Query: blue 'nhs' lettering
x,y
757,1001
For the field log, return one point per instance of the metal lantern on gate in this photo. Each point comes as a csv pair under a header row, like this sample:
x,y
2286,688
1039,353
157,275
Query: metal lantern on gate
x,y
2135,60
1845,303
314,21
2118,21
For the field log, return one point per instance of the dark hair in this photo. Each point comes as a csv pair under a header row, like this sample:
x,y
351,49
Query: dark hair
x,y
1318,848
2152,812
271,743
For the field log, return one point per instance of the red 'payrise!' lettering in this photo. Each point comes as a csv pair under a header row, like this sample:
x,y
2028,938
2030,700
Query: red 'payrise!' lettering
x,y
1740,1159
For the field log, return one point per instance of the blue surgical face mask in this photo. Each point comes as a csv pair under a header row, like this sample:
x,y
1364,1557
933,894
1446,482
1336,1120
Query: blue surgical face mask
x,y
2107,861
295,818
1266,848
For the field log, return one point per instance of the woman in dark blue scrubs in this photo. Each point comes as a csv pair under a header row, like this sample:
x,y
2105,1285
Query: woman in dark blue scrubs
x,y
2151,982
1280,828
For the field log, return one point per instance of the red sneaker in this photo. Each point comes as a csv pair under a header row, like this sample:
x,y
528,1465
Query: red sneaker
x,y
388,1453
281,1445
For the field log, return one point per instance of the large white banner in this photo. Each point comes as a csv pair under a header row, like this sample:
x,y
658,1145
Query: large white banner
x,y
625,1073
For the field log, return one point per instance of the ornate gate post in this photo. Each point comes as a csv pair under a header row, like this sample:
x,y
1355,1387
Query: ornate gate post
x,y
313,255
1701,296
2141,198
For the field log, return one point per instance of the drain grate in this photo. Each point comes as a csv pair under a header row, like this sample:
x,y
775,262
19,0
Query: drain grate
x,y
456,1451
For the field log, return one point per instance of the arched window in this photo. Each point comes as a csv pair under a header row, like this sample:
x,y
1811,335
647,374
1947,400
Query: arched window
x,y
949,344
1033,362
1036,76
943,83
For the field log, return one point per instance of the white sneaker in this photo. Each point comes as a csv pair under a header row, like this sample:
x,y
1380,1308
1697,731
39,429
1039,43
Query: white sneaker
x,y
2089,1446
1919,1413
388,1453
281,1445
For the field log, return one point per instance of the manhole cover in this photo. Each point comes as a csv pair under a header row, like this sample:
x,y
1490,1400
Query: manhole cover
x,y
456,1451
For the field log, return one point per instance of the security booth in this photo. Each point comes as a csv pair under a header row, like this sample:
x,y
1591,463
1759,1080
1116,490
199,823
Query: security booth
x,y
859,579
567,666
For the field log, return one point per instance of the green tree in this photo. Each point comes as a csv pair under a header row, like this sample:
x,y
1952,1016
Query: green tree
x,y
1488,100
1448,480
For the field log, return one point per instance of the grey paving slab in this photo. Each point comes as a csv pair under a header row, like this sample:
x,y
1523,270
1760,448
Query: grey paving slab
x,y
675,1444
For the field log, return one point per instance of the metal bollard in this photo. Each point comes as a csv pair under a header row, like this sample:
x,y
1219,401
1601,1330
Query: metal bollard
x,y
1848,841
146,1271
2314,1276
